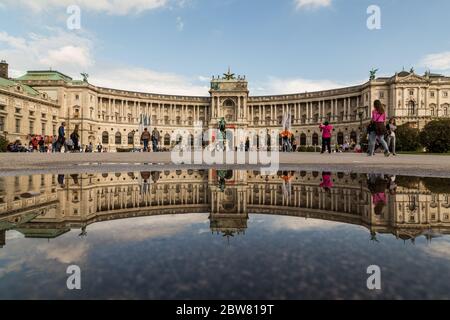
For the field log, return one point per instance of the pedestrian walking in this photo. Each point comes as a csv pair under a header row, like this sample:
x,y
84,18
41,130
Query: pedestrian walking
x,y
155,139
391,136
377,129
326,129
145,138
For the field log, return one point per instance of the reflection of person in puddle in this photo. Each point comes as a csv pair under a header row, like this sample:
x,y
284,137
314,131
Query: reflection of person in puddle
x,y
377,185
287,185
327,182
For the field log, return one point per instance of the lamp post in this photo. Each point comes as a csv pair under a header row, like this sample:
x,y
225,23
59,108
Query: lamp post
x,y
361,115
133,133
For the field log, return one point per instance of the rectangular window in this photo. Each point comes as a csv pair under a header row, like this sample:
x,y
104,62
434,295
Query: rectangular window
x,y
31,129
17,125
432,94
445,94
44,116
32,113
411,92
54,130
18,110
2,124
381,95
43,129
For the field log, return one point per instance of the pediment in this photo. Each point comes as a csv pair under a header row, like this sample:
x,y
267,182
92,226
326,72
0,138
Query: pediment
x,y
412,78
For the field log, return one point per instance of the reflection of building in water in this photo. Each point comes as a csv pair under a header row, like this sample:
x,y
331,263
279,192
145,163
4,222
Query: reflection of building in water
x,y
46,206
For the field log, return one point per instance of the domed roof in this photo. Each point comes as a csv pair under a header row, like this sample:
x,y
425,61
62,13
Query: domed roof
x,y
404,74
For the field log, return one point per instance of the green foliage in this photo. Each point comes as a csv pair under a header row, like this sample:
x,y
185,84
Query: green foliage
x,y
407,138
435,136
301,149
437,185
3,144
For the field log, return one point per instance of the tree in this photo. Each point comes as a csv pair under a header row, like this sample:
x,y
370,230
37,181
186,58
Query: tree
x,y
3,144
407,138
435,136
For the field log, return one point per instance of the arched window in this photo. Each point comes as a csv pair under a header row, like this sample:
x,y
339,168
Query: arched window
x,y
191,140
131,138
340,138
255,120
303,139
411,108
118,139
167,140
315,139
432,111
105,137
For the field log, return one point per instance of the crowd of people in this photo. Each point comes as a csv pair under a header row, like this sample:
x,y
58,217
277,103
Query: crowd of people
x,y
379,134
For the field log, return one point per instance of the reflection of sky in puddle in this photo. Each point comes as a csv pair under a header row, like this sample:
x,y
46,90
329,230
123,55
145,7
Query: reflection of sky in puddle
x,y
178,257
216,234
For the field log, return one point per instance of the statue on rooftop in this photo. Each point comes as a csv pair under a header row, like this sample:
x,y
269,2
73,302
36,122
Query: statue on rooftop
x,y
85,76
373,74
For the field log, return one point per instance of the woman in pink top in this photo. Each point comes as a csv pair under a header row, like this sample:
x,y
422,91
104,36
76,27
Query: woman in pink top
x,y
377,129
326,129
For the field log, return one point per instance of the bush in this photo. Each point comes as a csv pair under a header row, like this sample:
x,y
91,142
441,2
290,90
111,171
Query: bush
x,y
435,136
302,149
407,138
310,149
437,185
3,144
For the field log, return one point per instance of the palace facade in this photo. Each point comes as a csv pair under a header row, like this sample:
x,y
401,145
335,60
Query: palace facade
x,y
46,206
39,101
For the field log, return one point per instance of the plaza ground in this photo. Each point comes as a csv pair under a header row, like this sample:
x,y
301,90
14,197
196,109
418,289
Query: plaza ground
x,y
40,163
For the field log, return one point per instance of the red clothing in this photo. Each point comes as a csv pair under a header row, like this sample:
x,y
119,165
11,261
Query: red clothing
x,y
326,130
378,117
326,181
379,197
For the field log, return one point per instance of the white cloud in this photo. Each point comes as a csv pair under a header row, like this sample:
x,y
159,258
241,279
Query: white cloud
x,y
146,80
60,50
311,4
71,53
113,7
437,249
78,56
299,224
275,85
437,61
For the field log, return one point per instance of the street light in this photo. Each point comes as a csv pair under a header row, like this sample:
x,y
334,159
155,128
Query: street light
x,y
133,133
361,115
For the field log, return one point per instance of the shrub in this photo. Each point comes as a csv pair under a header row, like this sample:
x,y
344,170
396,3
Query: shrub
x,y
435,136
437,185
302,149
310,149
3,144
407,138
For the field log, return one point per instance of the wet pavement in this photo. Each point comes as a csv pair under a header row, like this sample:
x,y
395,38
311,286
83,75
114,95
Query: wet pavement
x,y
224,234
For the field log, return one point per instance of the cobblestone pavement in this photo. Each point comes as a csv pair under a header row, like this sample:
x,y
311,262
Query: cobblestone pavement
x,y
36,163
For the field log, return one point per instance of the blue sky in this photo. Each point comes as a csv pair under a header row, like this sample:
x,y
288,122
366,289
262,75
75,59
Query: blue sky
x,y
174,46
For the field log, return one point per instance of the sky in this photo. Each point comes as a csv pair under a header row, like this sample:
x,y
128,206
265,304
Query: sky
x,y
175,46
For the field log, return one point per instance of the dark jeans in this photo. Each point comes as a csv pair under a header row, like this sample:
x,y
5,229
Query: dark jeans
x,y
326,144
155,145
145,145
